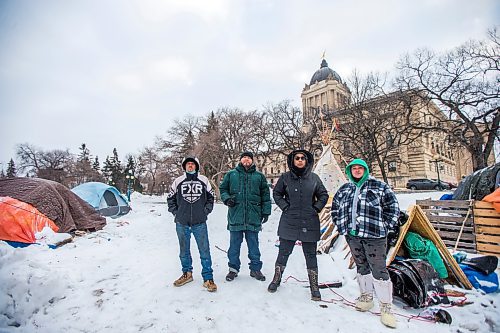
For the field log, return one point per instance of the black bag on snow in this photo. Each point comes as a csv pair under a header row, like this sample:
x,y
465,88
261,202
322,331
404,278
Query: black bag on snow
x,y
417,283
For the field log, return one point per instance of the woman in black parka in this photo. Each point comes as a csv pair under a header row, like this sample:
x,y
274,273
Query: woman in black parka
x,y
301,195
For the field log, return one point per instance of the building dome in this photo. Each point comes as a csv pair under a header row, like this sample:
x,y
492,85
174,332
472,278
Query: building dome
x,y
323,73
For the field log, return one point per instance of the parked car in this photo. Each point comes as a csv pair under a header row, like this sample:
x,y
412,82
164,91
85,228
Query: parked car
x,y
426,184
447,185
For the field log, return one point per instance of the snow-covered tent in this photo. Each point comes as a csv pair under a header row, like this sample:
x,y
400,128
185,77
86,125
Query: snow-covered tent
x,y
105,199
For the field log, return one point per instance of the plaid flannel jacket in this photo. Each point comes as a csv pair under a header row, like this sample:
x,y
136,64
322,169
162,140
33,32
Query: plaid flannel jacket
x,y
377,209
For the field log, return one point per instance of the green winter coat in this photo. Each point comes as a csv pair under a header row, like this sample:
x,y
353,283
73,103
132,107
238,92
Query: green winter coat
x,y
250,191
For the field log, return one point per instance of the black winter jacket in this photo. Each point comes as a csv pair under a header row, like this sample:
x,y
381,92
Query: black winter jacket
x,y
300,198
190,199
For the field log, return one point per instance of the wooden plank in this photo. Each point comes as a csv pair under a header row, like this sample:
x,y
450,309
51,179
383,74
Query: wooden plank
x,y
440,226
454,235
487,221
488,248
481,212
444,203
461,245
483,204
481,229
495,239
462,212
489,253
456,219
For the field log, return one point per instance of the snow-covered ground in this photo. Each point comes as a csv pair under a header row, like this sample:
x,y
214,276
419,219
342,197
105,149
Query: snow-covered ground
x,y
120,280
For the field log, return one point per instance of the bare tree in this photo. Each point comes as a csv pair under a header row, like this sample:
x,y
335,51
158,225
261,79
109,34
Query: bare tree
x,y
56,165
464,83
157,166
288,130
30,158
376,123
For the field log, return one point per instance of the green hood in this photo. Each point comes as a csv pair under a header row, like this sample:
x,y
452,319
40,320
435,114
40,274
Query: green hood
x,y
357,161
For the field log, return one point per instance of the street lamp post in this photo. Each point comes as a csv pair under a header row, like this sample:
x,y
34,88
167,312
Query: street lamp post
x,y
130,179
437,160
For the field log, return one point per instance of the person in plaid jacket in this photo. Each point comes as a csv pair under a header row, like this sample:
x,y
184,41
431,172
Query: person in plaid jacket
x,y
363,210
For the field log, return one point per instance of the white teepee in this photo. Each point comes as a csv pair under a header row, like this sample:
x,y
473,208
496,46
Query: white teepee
x,y
332,176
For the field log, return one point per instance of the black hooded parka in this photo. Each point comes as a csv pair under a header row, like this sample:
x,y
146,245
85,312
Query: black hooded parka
x,y
301,196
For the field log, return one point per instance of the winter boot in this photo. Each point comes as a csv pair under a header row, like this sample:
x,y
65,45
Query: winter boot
x,y
185,278
257,275
231,276
383,289
365,301
275,283
210,285
313,284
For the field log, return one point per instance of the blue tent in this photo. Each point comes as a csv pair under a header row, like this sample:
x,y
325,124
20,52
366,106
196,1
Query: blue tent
x,y
105,199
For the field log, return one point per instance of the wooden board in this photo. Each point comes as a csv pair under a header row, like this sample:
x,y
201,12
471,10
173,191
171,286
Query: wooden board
x,y
487,228
443,203
419,223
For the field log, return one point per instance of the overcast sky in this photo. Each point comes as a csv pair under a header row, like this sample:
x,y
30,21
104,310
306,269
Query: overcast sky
x,y
116,73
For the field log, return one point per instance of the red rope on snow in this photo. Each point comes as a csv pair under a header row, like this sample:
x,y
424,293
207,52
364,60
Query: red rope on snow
x,y
345,301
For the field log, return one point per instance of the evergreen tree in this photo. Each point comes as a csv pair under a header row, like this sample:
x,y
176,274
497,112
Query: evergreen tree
x,y
11,169
117,171
83,166
106,171
96,166
2,174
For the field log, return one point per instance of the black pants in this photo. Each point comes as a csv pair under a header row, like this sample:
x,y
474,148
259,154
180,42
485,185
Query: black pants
x,y
369,256
286,248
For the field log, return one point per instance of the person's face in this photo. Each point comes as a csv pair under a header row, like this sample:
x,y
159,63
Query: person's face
x,y
246,161
357,171
190,166
299,160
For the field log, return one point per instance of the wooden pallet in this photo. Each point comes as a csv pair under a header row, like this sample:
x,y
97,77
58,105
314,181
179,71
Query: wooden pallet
x,y
486,228
453,220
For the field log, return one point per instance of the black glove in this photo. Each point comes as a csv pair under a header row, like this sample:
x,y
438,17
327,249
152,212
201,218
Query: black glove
x,y
230,202
317,209
265,218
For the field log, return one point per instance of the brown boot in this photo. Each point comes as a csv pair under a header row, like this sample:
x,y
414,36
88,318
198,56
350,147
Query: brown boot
x,y
313,284
275,283
186,277
210,285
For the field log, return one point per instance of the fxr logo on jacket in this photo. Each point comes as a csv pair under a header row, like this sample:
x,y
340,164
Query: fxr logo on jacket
x,y
191,191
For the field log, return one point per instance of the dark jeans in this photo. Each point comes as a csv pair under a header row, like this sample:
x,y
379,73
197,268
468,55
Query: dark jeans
x,y
200,233
369,254
286,248
233,254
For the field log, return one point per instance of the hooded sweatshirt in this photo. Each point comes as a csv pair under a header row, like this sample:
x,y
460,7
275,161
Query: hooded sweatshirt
x,y
367,207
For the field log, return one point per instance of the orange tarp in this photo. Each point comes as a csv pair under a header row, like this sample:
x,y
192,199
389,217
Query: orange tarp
x,y
494,198
19,221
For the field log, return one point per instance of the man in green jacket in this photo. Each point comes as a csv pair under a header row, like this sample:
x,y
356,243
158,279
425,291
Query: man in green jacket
x,y
246,192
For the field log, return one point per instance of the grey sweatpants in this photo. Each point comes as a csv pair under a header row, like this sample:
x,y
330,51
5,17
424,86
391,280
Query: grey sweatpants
x,y
369,254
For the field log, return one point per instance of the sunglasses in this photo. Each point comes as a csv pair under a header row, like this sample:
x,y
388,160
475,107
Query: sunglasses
x,y
298,158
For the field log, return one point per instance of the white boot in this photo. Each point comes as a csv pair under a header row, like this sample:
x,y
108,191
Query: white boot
x,y
383,289
365,301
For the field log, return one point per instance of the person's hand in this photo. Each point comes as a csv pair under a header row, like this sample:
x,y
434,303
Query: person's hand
x,y
230,202
265,218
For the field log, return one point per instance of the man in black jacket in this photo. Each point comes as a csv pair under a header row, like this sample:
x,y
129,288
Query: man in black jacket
x,y
191,199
